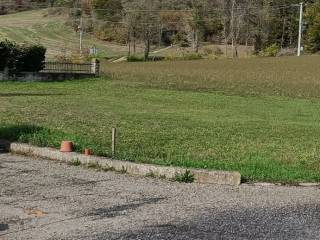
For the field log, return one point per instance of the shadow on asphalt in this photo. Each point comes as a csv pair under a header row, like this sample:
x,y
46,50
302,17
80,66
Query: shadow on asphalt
x,y
4,227
120,210
298,222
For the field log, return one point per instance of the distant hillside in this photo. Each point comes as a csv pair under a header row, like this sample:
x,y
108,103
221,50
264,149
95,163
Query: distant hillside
x,y
51,31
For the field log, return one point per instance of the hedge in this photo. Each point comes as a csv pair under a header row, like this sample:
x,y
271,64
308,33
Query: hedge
x,y
21,58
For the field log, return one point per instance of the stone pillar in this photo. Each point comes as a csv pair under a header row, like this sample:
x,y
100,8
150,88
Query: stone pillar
x,y
95,66
6,73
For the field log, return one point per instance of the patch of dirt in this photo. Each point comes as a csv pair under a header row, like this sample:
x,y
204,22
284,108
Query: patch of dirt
x,y
35,212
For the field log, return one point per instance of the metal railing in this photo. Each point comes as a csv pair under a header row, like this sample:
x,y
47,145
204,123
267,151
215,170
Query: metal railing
x,y
69,67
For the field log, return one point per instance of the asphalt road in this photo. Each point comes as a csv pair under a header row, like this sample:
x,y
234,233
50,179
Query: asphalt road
x,y
42,199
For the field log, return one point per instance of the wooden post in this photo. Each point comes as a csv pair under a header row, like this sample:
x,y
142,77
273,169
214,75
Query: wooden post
x,y
114,134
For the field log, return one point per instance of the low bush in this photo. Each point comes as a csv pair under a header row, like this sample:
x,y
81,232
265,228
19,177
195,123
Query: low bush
x,y
7,49
31,58
21,58
135,58
192,56
186,177
184,56
270,51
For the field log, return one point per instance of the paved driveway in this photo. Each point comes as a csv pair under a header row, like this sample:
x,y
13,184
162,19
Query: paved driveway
x,y
42,199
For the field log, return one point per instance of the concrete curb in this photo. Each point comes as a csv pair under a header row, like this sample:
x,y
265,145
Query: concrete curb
x,y
200,176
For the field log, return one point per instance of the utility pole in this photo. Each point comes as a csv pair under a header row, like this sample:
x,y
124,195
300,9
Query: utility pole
x,y
300,29
232,26
81,33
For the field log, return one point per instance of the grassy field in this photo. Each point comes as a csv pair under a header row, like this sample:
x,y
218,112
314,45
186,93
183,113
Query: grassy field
x,y
51,31
285,76
257,116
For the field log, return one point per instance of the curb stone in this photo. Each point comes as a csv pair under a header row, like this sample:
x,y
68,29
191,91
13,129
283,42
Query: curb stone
x,y
309,184
200,176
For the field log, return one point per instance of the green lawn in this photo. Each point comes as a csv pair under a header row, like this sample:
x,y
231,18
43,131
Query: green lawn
x,y
206,114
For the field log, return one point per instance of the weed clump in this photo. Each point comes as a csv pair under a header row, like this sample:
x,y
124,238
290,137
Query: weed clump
x,y
75,162
186,177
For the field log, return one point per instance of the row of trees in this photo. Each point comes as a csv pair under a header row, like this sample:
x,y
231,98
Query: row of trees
x,y
10,6
258,23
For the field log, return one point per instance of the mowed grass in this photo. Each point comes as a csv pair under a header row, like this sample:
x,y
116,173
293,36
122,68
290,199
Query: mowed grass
x,y
37,26
224,115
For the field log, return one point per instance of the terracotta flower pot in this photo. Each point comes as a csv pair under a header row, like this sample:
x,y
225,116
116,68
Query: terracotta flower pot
x,y
87,152
66,146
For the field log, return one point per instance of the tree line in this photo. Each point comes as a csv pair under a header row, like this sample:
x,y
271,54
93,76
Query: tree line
x,y
263,24
258,23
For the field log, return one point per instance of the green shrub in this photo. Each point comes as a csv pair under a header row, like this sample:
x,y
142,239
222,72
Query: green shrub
x,y
135,58
271,51
75,162
7,50
184,56
186,177
31,58
192,56
21,58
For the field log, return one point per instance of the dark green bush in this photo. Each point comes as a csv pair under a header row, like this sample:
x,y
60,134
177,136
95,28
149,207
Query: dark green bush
x,y
7,50
31,58
21,58
135,58
270,51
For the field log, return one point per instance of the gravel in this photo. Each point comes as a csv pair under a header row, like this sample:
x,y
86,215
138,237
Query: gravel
x,y
41,199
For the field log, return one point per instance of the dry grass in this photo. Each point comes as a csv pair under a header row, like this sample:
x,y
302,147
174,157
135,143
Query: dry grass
x,y
287,76
243,51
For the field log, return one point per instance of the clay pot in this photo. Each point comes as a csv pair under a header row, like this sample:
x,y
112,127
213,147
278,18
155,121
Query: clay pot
x,y
87,152
66,146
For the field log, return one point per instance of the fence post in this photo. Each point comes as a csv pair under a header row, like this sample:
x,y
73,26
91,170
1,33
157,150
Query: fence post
x,y
95,65
114,135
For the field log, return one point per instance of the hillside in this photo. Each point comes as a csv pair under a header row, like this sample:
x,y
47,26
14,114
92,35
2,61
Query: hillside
x,y
51,31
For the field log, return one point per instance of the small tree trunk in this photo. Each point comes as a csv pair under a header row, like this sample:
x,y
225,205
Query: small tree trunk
x,y
134,41
147,45
225,37
194,40
160,35
232,26
129,43
147,50
197,42
283,32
